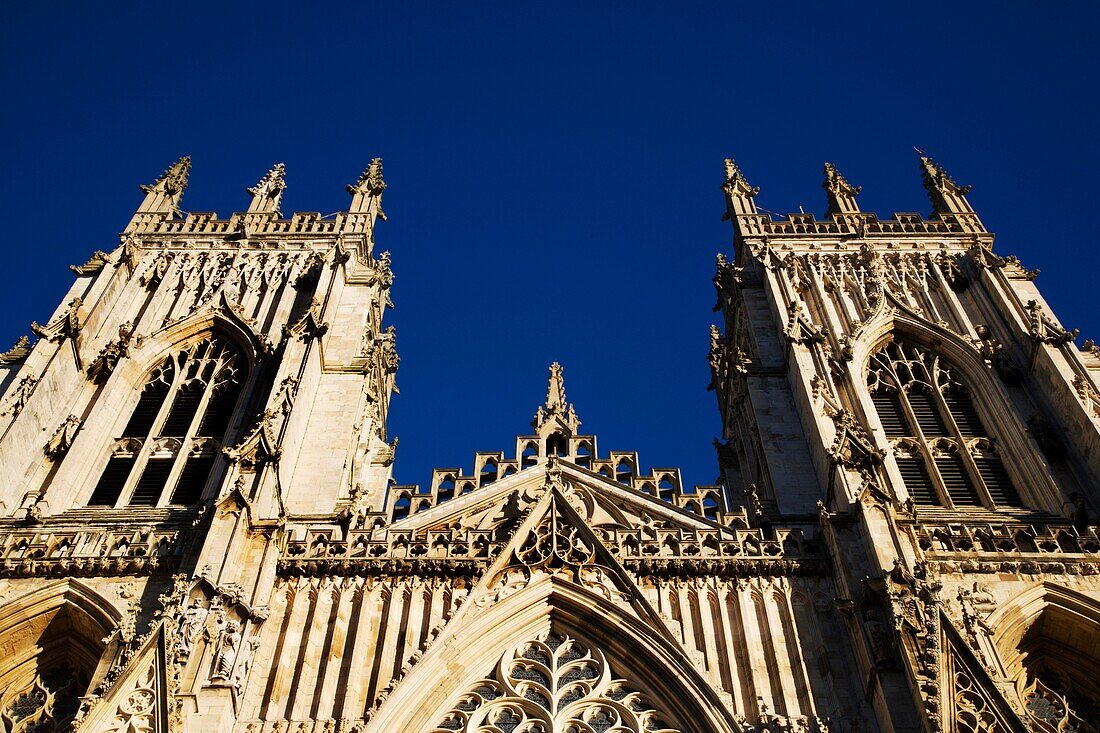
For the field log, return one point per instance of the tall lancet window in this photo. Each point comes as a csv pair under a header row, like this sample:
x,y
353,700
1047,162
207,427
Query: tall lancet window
x,y
168,447
942,449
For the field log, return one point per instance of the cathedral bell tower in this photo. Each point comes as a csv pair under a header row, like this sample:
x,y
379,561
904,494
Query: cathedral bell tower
x,y
203,382
903,385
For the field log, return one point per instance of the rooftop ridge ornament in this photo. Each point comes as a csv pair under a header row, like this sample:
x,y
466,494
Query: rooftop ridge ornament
x,y
736,179
739,193
162,196
556,405
267,195
947,196
370,180
174,179
841,194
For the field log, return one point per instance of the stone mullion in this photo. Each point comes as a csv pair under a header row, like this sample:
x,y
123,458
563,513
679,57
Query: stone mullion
x,y
733,634
686,620
182,298
278,307
964,452
754,643
164,300
358,650
385,645
822,688
414,620
710,636
435,610
289,640
286,679
924,447
781,651
307,692
964,325
827,307
190,435
801,678
142,458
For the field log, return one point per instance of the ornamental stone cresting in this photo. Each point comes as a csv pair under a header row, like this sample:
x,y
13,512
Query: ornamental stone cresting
x,y
200,530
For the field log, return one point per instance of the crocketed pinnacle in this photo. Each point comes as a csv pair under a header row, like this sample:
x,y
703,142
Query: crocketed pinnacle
x,y
370,180
936,179
556,405
268,193
173,180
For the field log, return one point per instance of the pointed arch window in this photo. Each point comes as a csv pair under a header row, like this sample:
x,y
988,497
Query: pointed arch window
x,y
943,452
168,448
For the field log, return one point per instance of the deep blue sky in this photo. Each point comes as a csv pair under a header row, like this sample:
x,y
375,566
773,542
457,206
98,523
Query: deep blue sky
x,y
554,169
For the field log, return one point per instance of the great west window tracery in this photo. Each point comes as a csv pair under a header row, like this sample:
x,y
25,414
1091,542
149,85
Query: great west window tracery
x,y
942,449
554,684
169,445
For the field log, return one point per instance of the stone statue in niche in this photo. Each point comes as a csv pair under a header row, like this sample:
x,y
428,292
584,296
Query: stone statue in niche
x,y
229,642
190,624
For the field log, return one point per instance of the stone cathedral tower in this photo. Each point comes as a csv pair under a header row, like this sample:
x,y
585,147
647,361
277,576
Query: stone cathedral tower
x,y
200,531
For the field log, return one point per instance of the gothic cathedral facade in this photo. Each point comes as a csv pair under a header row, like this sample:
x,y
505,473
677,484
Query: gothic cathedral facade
x,y
200,531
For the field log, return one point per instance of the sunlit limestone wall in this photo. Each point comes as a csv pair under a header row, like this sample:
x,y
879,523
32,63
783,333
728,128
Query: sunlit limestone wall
x,y
299,302
301,298
950,425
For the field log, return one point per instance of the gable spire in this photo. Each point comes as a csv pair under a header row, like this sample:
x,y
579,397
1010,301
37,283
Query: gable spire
x,y
368,190
841,194
947,196
163,196
556,410
267,195
739,193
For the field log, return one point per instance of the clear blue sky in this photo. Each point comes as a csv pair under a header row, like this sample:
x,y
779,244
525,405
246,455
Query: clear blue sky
x,y
554,169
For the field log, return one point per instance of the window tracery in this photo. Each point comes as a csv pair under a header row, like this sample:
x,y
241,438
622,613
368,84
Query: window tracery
x,y
1055,704
49,704
167,449
943,452
553,684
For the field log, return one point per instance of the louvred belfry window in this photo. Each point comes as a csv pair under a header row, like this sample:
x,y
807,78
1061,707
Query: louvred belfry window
x,y
943,452
168,447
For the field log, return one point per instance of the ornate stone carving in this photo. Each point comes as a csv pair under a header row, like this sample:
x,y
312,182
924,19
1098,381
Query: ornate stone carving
x,y
17,354
268,193
370,180
95,263
309,326
383,353
554,684
19,396
191,622
226,649
67,325
62,438
1043,329
110,355
1089,396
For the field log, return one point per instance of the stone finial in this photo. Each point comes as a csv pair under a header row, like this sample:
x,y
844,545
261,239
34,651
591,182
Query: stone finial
x,y
174,178
739,193
368,189
370,180
268,193
163,196
947,196
556,405
841,194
